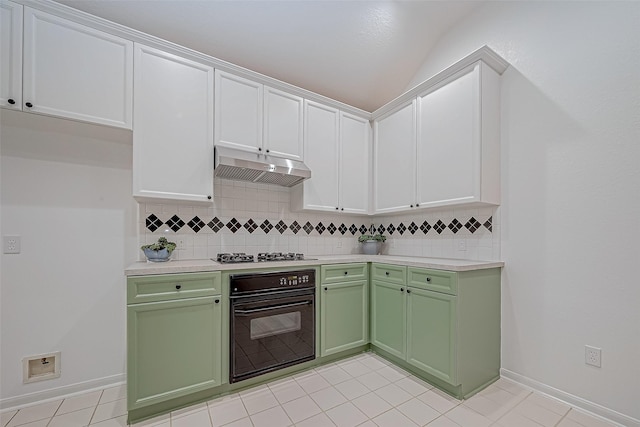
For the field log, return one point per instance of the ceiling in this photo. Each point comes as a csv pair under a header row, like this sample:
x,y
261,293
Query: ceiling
x,y
363,53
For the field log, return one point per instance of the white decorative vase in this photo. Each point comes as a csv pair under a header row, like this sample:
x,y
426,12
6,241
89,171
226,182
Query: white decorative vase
x,y
371,247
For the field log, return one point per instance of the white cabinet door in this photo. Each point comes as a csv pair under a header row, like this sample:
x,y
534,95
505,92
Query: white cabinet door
x,y
321,139
173,135
282,124
458,141
355,161
238,112
73,71
10,55
395,160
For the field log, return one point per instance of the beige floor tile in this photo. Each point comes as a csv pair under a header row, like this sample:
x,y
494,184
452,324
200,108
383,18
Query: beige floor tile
x,y
352,389
312,383
537,413
586,420
71,404
439,400
393,418
200,418
301,409
40,423
392,373
467,417
227,410
514,419
122,422
418,411
159,421
328,398
371,405
487,407
114,393
259,400
243,422
549,403
109,410
346,415
320,420
6,416
35,413
442,422
354,368
393,394
414,386
568,422
79,418
287,391
373,380
334,374
274,417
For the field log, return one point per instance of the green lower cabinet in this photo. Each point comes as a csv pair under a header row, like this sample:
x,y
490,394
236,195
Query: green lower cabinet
x,y
174,349
431,333
388,317
344,316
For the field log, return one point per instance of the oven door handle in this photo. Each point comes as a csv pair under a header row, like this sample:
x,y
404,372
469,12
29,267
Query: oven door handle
x,y
258,310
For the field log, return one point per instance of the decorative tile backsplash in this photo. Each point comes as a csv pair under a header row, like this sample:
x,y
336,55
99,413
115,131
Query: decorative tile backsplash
x,y
253,218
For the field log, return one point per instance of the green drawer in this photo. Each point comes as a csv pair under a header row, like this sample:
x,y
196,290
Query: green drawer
x,y
389,273
337,273
172,286
434,280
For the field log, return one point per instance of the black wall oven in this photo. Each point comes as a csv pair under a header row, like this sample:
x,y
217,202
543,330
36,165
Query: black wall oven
x,y
272,322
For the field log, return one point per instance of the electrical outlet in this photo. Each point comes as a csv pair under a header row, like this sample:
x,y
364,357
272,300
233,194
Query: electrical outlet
x,y
11,244
180,244
592,356
462,245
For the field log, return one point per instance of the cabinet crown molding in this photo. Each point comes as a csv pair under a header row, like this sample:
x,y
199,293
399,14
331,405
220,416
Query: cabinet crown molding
x,y
484,54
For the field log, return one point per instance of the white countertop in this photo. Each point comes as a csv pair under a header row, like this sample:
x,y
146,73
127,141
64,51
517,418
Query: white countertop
x,y
202,265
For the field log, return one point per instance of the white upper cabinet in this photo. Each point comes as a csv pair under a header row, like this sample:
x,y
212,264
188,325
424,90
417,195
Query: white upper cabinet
x,y
282,124
395,159
459,140
173,133
11,55
355,164
73,71
442,148
255,118
322,139
337,150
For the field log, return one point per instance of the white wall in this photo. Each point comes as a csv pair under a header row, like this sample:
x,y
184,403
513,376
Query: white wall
x,y
571,190
66,190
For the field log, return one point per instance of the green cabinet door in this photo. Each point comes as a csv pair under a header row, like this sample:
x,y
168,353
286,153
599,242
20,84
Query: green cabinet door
x,y
174,349
344,316
431,333
388,317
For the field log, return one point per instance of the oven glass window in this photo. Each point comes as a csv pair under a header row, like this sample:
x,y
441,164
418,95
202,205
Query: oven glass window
x,y
275,325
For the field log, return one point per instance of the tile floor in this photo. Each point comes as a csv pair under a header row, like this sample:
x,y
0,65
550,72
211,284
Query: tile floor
x,y
364,390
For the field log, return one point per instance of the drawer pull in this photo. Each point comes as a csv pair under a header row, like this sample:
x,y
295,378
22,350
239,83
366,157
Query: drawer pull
x,y
178,287
326,289
346,272
217,301
387,273
408,291
428,279
401,289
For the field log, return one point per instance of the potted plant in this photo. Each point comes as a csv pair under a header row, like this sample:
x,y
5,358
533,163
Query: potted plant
x,y
371,243
159,251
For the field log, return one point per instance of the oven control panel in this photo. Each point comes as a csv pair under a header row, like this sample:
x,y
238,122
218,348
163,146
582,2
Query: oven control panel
x,y
258,282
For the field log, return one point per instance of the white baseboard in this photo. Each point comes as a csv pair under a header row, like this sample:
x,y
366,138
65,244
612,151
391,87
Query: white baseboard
x,y
594,409
57,393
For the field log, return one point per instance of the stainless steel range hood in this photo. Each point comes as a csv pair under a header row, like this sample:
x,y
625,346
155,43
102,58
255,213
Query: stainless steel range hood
x,y
241,165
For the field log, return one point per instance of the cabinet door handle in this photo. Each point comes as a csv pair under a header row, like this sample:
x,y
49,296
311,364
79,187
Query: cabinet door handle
x,y
428,279
346,272
209,197
178,287
408,291
11,101
417,205
28,104
267,150
342,209
386,273
336,208
326,289
401,289
259,149
411,206
217,301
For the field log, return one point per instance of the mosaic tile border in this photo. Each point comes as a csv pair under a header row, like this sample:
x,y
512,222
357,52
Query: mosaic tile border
x,y
196,224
